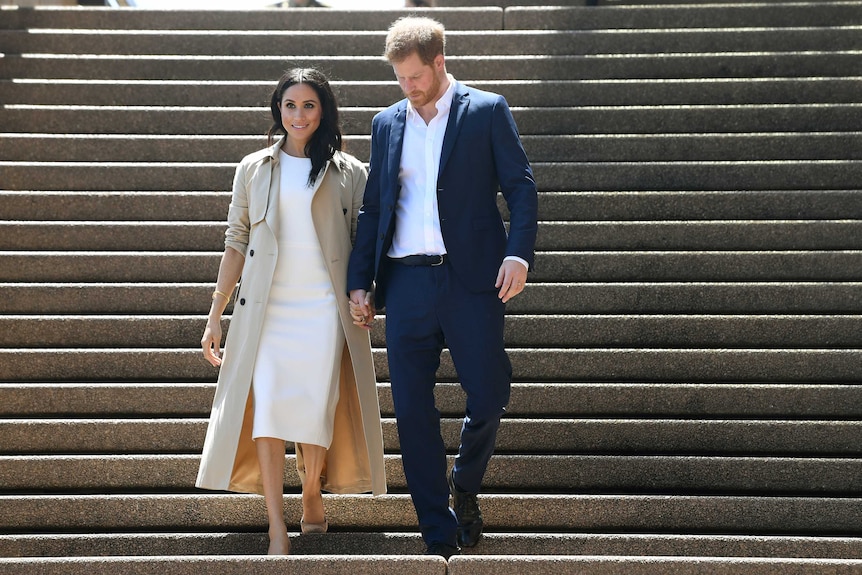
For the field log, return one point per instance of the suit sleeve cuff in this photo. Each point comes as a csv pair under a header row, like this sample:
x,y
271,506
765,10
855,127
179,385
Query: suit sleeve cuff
x,y
522,261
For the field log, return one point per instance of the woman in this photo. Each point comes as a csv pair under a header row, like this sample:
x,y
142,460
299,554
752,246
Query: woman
x,y
295,367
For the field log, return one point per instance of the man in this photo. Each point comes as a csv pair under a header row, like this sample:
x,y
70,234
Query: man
x,y
431,239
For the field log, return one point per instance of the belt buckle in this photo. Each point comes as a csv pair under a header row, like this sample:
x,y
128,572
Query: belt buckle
x,y
440,262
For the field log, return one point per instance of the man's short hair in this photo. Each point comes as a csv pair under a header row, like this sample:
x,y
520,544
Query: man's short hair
x,y
422,36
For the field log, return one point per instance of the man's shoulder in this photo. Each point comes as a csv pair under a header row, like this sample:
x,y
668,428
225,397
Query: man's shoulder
x,y
390,112
477,95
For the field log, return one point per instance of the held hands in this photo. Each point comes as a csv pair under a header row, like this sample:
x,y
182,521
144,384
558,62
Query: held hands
x,y
362,308
511,279
211,342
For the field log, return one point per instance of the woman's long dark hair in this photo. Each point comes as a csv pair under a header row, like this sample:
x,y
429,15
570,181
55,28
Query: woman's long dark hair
x,y
326,140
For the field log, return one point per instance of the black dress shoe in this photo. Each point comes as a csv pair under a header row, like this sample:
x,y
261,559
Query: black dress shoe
x,y
443,550
467,512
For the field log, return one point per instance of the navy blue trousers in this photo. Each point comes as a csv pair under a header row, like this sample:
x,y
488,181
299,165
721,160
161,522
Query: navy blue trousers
x,y
428,308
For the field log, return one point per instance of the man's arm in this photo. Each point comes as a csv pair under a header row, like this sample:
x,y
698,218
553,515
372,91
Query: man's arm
x,y
516,183
360,269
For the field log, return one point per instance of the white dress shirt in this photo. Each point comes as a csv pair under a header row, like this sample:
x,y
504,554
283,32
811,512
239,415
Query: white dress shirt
x,y
417,219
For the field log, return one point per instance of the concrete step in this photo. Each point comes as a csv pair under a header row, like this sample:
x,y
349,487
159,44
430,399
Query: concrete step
x,y
315,44
564,15
712,15
418,565
545,298
697,266
691,297
357,543
462,15
563,148
47,474
296,19
329,564
601,120
590,206
781,64
584,331
526,437
647,400
550,176
619,4
528,513
570,266
40,474
515,565
671,235
713,235
551,365
582,266
518,93
110,206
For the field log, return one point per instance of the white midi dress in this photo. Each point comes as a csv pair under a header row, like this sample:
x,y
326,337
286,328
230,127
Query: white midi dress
x,y
295,380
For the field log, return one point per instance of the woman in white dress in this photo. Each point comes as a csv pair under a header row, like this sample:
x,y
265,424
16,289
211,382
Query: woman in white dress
x,y
292,193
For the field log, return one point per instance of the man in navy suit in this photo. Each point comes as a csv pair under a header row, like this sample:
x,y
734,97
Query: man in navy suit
x,y
431,240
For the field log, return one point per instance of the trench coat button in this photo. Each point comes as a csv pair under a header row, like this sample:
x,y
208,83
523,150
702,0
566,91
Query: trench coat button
x,y
242,301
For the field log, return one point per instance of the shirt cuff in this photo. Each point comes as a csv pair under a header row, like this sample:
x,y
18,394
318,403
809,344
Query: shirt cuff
x,y
522,261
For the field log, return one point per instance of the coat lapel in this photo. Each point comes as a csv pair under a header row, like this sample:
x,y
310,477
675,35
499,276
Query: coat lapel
x,y
266,191
396,142
460,103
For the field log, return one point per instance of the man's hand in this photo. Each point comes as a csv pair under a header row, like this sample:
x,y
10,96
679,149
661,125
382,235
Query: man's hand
x,y
511,279
362,308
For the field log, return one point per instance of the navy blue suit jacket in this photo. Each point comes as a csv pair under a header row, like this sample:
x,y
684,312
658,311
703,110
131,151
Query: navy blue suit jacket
x,y
482,154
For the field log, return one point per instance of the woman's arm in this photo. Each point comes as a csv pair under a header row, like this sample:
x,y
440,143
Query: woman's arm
x,y
230,268
229,272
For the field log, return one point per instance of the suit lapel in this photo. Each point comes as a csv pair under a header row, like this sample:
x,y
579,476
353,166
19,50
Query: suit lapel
x,y
460,103
396,142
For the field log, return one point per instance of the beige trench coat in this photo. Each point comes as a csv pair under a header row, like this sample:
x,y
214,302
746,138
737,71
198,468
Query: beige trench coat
x,y
354,461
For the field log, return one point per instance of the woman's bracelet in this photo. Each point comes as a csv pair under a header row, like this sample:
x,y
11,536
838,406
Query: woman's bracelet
x,y
221,293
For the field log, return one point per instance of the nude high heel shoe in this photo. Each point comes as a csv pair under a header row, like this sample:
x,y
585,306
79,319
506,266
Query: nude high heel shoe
x,y
313,527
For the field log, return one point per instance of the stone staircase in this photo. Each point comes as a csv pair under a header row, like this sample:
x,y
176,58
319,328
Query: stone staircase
x,y
687,356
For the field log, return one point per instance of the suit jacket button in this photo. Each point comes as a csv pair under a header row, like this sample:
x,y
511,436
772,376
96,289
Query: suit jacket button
x,y
381,236
242,301
251,253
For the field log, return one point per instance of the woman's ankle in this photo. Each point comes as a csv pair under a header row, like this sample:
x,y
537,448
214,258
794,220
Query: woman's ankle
x,y
313,510
279,541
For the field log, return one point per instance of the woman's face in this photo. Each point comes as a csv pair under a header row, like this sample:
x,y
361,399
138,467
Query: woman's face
x,y
300,113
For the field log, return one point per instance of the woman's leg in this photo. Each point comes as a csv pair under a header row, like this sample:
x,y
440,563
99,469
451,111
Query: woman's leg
x,y
312,500
270,453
